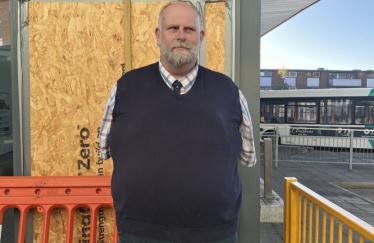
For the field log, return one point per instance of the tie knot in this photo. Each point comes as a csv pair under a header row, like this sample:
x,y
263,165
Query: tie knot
x,y
177,84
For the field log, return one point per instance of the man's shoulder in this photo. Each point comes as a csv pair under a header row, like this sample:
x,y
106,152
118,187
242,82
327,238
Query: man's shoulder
x,y
217,77
138,73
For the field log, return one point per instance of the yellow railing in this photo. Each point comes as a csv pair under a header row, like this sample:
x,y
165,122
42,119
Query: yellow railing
x,y
298,197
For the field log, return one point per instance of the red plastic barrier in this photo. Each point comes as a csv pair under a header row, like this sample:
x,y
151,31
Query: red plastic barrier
x,y
46,193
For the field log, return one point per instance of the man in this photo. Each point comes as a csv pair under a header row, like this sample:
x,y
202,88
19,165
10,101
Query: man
x,y
176,131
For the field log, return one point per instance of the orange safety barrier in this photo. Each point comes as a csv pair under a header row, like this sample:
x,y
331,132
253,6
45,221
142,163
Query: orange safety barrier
x,y
296,197
46,193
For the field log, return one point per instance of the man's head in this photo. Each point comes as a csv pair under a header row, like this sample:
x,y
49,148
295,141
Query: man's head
x,y
179,34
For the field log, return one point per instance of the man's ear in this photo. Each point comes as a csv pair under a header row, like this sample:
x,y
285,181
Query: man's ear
x,y
202,34
157,33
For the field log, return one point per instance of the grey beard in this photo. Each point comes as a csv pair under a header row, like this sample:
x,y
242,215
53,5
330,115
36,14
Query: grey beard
x,y
179,58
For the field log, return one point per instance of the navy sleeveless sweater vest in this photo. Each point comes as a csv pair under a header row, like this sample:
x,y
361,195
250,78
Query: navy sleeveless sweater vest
x,y
175,175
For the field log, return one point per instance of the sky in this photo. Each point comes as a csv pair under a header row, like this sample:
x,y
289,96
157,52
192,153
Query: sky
x,y
331,34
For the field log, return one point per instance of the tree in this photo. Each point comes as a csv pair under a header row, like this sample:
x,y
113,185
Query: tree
x,y
283,85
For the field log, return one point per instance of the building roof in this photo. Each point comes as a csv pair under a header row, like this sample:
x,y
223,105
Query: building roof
x,y
276,12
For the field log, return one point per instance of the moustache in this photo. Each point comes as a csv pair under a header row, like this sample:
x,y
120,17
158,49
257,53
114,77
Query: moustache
x,y
180,44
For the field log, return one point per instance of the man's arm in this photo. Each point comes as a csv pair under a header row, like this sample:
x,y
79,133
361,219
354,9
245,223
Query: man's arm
x,y
106,125
248,154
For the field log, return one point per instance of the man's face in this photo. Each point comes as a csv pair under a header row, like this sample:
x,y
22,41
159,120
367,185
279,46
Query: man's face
x,y
179,36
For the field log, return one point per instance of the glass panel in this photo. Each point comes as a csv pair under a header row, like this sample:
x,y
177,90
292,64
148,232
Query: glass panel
x,y
333,75
353,75
268,74
302,112
364,112
6,135
337,111
342,75
272,112
6,132
316,74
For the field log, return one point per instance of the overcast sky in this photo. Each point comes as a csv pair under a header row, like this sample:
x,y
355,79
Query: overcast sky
x,y
331,34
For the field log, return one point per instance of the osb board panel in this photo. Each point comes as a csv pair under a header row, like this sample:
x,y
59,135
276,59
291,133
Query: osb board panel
x,y
144,20
72,46
81,230
215,36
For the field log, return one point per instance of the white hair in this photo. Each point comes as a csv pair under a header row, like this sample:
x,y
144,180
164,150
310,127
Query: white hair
x,y
169,4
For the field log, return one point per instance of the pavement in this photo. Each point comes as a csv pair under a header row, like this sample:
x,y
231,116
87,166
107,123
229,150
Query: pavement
x,y
350,190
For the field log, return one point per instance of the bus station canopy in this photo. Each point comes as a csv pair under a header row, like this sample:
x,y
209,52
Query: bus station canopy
x,y
276,12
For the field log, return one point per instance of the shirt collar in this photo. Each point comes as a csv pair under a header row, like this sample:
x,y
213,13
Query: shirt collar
x,y
187,81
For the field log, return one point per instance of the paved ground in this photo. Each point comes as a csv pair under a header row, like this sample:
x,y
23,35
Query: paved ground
x,y
320,177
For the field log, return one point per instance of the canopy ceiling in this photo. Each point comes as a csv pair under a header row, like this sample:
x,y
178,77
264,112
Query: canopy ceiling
x,y
276,12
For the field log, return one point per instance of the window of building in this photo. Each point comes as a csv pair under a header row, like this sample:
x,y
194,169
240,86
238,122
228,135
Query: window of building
x,y
343,75
272,112
266,74
370,83
364,112
302,112
333,75
313,74
370,75
312,82
336,111
291,82
291,74
265,83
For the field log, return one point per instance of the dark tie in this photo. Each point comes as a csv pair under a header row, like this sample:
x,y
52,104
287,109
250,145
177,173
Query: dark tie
x,y
177,87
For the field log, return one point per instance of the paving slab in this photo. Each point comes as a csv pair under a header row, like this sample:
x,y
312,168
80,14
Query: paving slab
x,y
320,177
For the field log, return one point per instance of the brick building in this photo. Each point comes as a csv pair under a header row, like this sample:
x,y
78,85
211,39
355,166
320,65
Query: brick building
x,y
4,22
317,79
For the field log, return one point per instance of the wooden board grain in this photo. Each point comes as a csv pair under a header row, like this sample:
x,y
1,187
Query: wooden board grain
x,y
144,20
76,52
76,56
215,36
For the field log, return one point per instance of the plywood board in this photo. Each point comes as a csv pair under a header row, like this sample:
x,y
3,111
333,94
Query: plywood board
x,y
76,52
144,20
215,36
76,56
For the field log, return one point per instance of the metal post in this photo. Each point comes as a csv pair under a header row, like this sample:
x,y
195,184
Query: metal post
x,y
247,20
351,149
276,146
268,168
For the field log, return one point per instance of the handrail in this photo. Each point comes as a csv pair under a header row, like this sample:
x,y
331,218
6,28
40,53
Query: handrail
x,y
46,193
293,191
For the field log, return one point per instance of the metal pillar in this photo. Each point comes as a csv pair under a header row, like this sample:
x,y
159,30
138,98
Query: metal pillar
x,y
268,156
247,76
351,136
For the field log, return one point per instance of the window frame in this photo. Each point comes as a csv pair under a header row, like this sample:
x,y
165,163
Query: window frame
x,y
316,106
291,76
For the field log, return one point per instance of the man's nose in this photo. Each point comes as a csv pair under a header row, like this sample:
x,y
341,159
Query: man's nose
x,y
181,34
